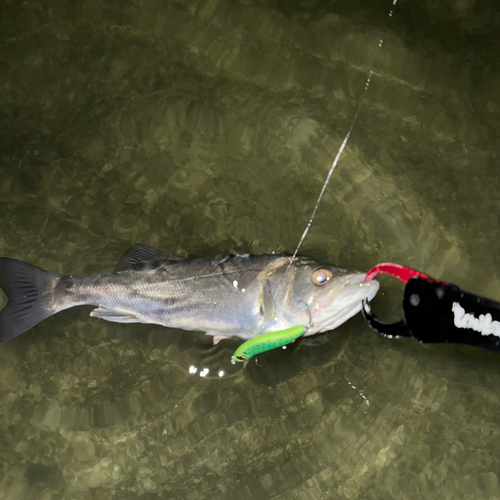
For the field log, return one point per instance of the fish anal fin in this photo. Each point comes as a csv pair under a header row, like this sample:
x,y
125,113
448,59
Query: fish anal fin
x,y
116,315
142,253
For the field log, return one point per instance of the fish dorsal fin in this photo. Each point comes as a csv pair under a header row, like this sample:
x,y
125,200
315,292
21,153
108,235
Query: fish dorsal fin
x,y
142,253
268,307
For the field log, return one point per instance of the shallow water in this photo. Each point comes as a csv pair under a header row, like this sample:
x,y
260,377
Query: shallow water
x,y
208,127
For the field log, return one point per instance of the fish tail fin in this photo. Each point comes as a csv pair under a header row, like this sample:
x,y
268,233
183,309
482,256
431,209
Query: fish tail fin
x,y
30,291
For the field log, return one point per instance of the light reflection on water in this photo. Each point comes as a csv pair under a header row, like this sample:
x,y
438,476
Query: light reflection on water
x,y
207,128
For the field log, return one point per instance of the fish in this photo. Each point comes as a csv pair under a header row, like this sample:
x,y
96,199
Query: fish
x,y
236,296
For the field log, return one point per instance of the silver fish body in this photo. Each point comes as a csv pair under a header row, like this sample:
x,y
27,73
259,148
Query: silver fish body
x,y
243,295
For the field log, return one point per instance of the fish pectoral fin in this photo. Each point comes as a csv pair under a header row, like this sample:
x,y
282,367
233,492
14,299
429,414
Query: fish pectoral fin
x,y
218,338
218,335
142,253
116,315
268,307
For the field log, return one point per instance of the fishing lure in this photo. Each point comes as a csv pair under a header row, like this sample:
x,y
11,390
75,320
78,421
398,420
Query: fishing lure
x,y
266,342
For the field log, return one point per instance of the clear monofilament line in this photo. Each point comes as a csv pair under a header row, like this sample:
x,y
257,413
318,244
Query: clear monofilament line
x,y
330,172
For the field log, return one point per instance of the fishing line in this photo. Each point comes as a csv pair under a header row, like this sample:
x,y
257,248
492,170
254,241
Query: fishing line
x,y
339,153
330,172
325,185
332,168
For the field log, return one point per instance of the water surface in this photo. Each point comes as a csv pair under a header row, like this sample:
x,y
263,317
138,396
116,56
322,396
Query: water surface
x,y
208,127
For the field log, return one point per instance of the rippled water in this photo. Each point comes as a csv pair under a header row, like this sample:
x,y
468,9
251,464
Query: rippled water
x,y
207,127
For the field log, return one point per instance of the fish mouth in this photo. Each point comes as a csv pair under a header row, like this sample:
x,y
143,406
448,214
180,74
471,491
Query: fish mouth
x,y
341,302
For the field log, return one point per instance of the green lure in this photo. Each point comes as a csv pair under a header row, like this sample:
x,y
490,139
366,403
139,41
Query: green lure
x,y
266,342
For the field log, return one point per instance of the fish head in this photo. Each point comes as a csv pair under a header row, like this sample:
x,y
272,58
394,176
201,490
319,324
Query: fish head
x,y
330,295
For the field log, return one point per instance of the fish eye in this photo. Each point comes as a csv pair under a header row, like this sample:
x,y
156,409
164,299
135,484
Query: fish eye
x,y
321,276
